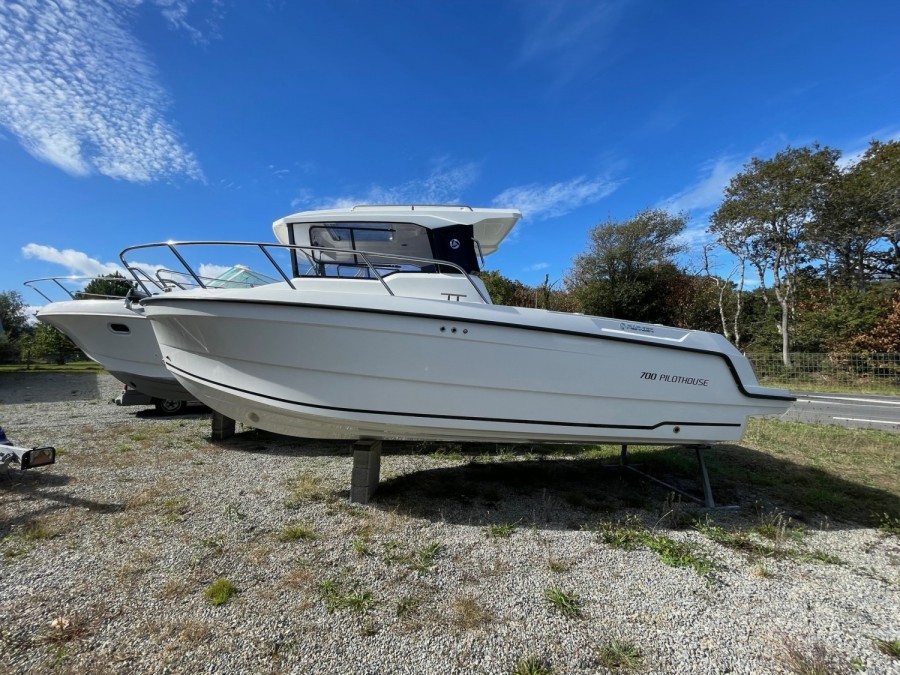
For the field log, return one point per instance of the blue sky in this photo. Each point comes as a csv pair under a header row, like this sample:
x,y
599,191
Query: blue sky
x,y
125,122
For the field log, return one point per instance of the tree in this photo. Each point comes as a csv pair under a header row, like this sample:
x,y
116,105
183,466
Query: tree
x,y
13,316
505,291
766,215
46,342
860,211
729,295
628,266
112,285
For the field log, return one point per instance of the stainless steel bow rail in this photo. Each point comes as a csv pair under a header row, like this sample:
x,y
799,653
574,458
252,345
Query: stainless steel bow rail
x,y
59,283
368,264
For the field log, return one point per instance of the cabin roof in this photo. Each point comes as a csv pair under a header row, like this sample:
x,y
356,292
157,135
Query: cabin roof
x,y
491,225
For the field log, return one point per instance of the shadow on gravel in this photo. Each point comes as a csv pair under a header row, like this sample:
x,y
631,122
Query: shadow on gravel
x,y
194,411
37,486
571,493
48,387
256,440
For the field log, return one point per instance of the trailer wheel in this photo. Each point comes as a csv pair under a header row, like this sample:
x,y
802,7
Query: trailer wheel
x,y
169,406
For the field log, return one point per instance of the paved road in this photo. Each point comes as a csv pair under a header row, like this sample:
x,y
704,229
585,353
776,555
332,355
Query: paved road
x,y
858,411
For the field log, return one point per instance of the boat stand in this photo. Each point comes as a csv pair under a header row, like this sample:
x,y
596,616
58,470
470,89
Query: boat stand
x,y
222,427
366,470
366,459
708,501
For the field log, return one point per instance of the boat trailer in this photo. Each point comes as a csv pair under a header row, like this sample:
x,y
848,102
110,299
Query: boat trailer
x,y
26,458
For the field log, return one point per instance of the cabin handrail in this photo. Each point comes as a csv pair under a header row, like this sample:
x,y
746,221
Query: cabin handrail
x,y
308,252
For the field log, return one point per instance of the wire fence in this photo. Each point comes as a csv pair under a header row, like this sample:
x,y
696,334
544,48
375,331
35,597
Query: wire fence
x,y
874,372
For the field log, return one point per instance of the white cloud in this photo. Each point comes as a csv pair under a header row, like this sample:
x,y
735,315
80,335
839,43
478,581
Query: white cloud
x,y
550,201
444,185
78,90
569,37
536,267
693,238
75,262
211,271
709,189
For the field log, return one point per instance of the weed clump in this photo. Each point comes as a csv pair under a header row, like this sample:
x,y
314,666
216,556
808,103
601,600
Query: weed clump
x,y
566,602
220,591
616,654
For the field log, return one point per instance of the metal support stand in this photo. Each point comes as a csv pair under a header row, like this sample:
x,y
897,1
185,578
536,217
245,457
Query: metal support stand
x,y
222,427
366,470
707,500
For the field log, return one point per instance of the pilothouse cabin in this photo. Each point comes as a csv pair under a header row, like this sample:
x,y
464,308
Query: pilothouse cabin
x,y
394,239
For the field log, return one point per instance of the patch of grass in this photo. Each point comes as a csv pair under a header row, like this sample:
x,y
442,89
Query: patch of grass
x,y
776,528
296,533
73,367
566,602
394,552
674,514
467,613
11,551
678,553
558,565
813,659
737,540
802,464
762,571
532,665
220,591
423,558
362,548
622,535
500,531
306,487
406,606
889,647
174,508
65,629
888,525
233,512
821,557
619,654
337,594
40,530
360,602
448,454
217,544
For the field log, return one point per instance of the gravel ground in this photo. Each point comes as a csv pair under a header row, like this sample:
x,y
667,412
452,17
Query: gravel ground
x,y
106,558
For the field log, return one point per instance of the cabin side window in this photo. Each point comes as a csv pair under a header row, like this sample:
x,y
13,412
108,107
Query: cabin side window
x,y
386,245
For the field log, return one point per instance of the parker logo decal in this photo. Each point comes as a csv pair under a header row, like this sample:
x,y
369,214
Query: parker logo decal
x,y
636,327
454,244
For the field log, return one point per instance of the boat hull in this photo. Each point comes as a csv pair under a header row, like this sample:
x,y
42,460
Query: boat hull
x,y
401,368
120,339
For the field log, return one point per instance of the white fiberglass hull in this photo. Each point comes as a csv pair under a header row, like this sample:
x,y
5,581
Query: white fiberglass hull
x,y
325,365
120,339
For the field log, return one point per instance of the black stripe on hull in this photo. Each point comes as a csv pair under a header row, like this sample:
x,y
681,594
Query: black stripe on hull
x,y
495,420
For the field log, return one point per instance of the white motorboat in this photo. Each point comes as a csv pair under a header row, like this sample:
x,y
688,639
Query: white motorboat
x,y
114,332
381,330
